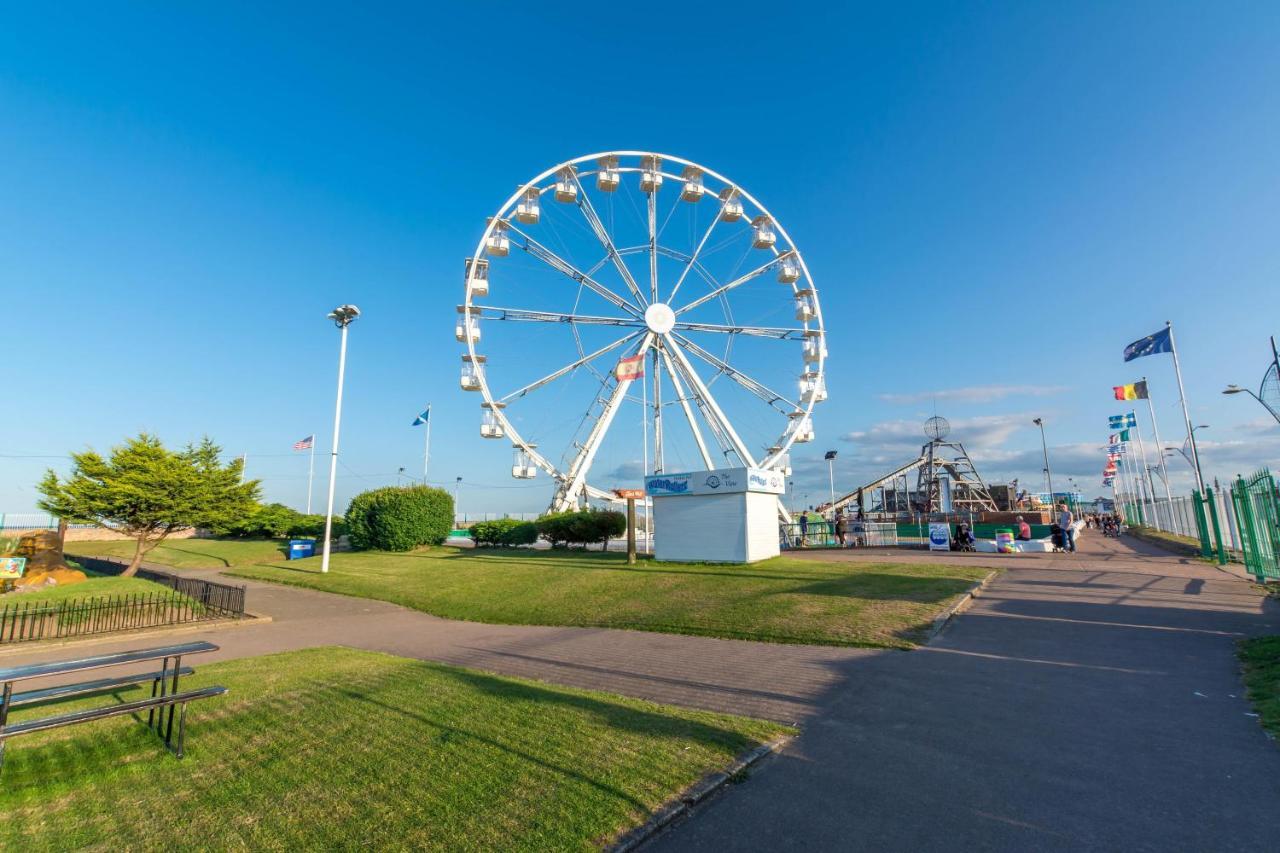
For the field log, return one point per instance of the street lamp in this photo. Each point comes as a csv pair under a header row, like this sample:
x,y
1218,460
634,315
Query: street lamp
x,y
831,478
1236,389
1045,447
342,316
457,487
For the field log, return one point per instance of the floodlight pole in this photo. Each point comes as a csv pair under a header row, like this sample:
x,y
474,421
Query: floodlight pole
x,y
831,478
1045,447
342,317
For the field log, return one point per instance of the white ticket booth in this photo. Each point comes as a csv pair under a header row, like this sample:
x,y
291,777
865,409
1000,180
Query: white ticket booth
x,y
728,515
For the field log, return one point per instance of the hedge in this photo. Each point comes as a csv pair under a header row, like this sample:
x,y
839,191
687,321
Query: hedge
x,y
399,518
504,532
565,528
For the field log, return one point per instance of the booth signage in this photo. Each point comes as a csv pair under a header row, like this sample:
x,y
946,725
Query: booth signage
x,y
630,494
939,536
719,481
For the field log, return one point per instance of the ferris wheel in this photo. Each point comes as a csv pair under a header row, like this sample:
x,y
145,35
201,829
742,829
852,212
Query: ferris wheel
x,y
641,282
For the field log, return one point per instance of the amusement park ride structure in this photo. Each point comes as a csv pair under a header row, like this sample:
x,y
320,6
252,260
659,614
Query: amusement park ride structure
x,y
654,322
939,459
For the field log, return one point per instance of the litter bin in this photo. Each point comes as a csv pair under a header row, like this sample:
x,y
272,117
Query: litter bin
x,y
301,548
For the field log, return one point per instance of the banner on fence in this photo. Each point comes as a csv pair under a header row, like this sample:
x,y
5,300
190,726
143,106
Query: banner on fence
x,y
11,568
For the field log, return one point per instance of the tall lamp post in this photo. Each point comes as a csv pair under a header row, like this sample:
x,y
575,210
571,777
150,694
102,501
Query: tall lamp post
x,y
342,316
457,488
1045,447
1191,460
831,478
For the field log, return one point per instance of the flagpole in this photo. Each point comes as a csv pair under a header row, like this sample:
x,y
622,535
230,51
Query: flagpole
x,y
311,473
426,450
1164,469
1186,415
1146,472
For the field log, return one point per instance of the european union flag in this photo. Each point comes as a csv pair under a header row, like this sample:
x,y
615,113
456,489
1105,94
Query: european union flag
x,y
1150,345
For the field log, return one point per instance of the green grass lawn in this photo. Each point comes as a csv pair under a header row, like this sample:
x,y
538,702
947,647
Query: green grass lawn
x,y
782,600
1261,659
329,749
95,586
191,553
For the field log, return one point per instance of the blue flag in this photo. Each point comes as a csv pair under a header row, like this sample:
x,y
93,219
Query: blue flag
x,y
1161,341
1131,420
1116,421
422,418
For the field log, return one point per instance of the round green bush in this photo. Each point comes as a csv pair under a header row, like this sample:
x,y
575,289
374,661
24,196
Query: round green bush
x,y
566,528
399,518
503,532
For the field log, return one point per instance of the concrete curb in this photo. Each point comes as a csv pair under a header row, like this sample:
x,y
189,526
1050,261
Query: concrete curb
x,y
698,793
960,606
249,620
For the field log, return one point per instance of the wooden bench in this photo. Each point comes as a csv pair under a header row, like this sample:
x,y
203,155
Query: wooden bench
x,y
165,695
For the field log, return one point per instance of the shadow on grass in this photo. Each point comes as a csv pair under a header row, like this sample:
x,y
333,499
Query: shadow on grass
x,y
886,587
613,715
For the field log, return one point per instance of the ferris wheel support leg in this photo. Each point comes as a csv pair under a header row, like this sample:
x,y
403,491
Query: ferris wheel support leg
x,y
688,411
701,390
575,480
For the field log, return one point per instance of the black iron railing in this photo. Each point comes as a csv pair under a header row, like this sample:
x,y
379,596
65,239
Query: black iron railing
x,y
187,600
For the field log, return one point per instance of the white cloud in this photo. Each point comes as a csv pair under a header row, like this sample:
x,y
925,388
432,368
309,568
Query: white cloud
x,y
975,394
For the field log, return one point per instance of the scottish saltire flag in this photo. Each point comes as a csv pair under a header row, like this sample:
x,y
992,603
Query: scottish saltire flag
x,y
630,368
1161,341
305,444
422,417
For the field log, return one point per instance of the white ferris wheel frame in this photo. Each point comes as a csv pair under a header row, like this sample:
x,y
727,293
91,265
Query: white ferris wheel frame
x,y
572,483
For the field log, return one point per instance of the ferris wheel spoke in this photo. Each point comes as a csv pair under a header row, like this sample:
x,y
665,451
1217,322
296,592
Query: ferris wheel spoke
x,y
781,334
653,245
490,312
711,406
694,257
737,282
764,392
576,476
602,234
678,387
568,368
551,259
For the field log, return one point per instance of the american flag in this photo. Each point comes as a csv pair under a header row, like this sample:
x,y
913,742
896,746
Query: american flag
x,y
306,443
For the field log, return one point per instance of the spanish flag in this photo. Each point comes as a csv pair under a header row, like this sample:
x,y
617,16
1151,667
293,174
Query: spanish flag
x,y
1136,391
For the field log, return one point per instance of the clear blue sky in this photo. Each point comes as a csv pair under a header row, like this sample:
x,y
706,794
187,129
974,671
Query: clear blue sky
x,y
993,200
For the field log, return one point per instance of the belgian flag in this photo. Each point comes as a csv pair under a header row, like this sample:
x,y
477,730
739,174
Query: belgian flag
x,y
1136,391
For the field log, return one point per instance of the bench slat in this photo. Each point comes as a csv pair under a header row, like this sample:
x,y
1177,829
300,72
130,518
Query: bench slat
x,y
64,691
40,670
85,716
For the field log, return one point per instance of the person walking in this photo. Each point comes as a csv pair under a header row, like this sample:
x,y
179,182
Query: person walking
x,y
1065,521
842,528
804,527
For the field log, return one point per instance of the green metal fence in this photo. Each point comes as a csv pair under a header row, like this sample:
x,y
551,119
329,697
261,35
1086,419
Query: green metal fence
x,y
1257,509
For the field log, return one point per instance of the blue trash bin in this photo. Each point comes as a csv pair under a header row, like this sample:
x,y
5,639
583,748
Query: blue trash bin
x,y
301,548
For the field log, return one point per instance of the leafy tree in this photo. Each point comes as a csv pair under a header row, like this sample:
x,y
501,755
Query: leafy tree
x,y
147,492
396,518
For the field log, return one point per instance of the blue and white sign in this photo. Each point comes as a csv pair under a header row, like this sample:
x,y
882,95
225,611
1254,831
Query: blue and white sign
x,y
718,482
939,536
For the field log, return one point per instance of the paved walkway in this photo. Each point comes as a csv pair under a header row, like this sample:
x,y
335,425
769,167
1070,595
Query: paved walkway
x,y
1086,701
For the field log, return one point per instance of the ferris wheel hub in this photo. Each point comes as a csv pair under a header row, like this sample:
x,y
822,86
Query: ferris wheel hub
x,y
659,318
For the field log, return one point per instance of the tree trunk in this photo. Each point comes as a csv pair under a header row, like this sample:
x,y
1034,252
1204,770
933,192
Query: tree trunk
x,y
136,562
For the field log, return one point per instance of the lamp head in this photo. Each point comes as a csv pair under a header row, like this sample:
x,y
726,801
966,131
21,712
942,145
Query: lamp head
x,y
1038,421
344,315
1233,389
831,454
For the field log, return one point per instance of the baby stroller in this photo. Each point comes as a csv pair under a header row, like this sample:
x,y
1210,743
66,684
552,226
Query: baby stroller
x,y
964,538
1059,539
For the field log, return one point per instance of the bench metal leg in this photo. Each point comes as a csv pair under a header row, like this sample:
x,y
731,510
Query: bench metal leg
x,y
157,686
4,716
168,732
182,729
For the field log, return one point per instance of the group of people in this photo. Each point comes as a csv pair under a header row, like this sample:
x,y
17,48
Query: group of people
x,y
842,528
